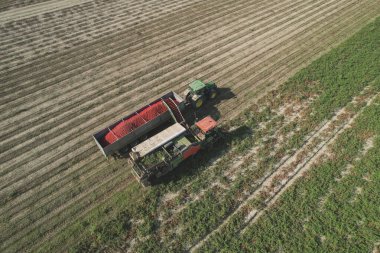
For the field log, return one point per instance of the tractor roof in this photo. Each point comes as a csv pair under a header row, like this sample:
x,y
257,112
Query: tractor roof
x,y
197,85
206,124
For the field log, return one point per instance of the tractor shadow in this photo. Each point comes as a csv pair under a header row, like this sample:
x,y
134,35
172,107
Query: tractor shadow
x,y
210,107
189,169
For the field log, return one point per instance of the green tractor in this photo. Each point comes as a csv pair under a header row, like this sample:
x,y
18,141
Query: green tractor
x,y
199,92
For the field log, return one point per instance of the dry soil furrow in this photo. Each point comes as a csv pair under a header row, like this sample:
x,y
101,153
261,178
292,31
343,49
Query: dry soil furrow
x,y
160,26
62,192
53,231
56,108
6,5
66,217
95,30
61,116
290,69
62,195
82,17
70,41
57,183
122,55
60,92
234,74
14,31
25,228
30,174
37,9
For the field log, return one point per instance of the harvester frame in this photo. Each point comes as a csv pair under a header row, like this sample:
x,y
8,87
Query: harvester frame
x,y
187,143
141,137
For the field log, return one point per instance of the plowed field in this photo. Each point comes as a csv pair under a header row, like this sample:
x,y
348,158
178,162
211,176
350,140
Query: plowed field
x,y
69,68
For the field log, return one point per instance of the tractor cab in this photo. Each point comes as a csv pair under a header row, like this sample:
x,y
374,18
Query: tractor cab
x,y
197,87
205,129
199,92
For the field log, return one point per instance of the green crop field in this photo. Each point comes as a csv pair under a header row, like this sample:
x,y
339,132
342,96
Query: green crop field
x,y
298,172
334,208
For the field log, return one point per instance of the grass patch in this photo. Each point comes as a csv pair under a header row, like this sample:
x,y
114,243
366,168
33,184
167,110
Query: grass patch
x,y
298,223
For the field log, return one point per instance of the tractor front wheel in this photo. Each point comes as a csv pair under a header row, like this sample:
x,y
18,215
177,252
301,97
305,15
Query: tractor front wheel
x,y
198,103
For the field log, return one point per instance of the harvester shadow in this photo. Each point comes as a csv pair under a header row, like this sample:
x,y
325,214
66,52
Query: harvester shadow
x,y
192,167
210,107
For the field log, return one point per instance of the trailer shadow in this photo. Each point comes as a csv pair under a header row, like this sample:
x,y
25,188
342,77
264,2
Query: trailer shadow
x,y
210,107
192,167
